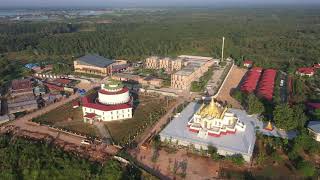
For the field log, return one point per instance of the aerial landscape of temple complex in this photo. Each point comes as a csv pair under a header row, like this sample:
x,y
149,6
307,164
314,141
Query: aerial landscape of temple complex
x,y
193,93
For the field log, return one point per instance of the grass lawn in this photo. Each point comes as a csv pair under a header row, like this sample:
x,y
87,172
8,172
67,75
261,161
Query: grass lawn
x,y
121,130
68,118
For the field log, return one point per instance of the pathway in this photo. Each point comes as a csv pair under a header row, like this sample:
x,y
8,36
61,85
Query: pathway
x,y
162,121
232,82
24,127
104,132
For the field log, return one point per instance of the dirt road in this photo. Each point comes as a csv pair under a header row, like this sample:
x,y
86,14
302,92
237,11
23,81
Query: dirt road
x,y
232,82
24,126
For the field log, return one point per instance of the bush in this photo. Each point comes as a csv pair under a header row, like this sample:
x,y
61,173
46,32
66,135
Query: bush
x,y
236,159
306,168
261,158
255,106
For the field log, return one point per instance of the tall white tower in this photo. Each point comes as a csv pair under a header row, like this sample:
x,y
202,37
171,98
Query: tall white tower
x,y
222,49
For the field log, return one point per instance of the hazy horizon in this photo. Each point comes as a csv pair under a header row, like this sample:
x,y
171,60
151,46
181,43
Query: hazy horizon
x,y
147,3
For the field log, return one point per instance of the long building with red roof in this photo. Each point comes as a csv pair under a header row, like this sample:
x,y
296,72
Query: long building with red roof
x,y
266,84
112,102
251,80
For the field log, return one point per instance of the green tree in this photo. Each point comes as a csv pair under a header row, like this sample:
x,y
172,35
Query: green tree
x,y
212,151
111,171
299,115
304,141
316,114
255,106
284,117
239,96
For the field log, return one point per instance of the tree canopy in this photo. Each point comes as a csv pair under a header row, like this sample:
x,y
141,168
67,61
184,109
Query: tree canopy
x,y
289,118
255,106
24,159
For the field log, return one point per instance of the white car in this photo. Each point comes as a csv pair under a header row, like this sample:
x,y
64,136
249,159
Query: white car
x,y
281,83
85,142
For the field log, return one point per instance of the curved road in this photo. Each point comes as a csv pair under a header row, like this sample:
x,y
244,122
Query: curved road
x,y
24,123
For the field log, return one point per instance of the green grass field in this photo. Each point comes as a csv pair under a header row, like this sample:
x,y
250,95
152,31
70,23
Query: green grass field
x,y
149,110
68,118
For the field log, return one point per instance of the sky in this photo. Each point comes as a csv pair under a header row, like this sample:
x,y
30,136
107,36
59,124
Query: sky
x,y
140,3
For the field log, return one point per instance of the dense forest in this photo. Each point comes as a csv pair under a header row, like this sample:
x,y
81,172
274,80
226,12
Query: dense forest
x,y
271,37
24,159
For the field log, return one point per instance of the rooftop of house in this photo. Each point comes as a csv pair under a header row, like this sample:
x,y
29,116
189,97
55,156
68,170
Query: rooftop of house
x,y
306,70
189,69
247,62
316,65
90,102
314,126
313,105
62,81
95,60
20,84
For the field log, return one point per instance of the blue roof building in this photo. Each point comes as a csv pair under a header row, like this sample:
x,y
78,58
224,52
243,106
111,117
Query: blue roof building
x,y
93,64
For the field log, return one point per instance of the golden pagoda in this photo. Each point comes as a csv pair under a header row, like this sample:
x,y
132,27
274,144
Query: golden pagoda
x,y
269,127
212,110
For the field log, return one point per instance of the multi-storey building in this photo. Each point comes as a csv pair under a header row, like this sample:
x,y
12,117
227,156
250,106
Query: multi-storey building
x,y
167,64
93,64
195,67
189,68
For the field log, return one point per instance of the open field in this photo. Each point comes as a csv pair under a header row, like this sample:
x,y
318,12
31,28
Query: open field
x,y
68,118
148,110
196,167
232,82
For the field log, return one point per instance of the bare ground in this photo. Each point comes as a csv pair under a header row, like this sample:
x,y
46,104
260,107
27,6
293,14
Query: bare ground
x,y
232,82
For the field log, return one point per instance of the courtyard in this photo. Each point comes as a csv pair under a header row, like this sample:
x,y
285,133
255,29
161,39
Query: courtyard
x,y
148,109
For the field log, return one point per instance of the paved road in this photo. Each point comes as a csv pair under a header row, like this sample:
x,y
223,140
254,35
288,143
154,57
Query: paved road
x,y
283,88
104,132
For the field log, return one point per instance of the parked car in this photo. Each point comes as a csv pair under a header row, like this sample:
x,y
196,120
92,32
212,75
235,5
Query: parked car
x,y
85,142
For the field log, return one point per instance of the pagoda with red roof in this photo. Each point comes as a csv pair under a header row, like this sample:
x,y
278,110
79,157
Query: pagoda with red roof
x,y
111,103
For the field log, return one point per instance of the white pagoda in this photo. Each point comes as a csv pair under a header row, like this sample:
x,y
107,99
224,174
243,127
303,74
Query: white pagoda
x,y
214,120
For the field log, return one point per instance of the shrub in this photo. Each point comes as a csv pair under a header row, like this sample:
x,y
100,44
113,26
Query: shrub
x,y
306,168
236,159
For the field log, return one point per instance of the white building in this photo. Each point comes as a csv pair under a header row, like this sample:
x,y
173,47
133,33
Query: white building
x,y
231,131
314,129
112,102
214,120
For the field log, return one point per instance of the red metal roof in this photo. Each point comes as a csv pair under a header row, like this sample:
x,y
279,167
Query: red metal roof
x,y
76,103
266,84
247,62
88,102
54,87
62,81
306,70
313,105
90,115
317,66
21,84
251,80
123,90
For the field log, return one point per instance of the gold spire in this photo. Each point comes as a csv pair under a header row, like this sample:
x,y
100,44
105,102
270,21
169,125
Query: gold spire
x,y
212,110
269,126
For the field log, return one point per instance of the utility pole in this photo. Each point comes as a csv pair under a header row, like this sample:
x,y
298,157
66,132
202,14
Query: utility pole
x,y
222,49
